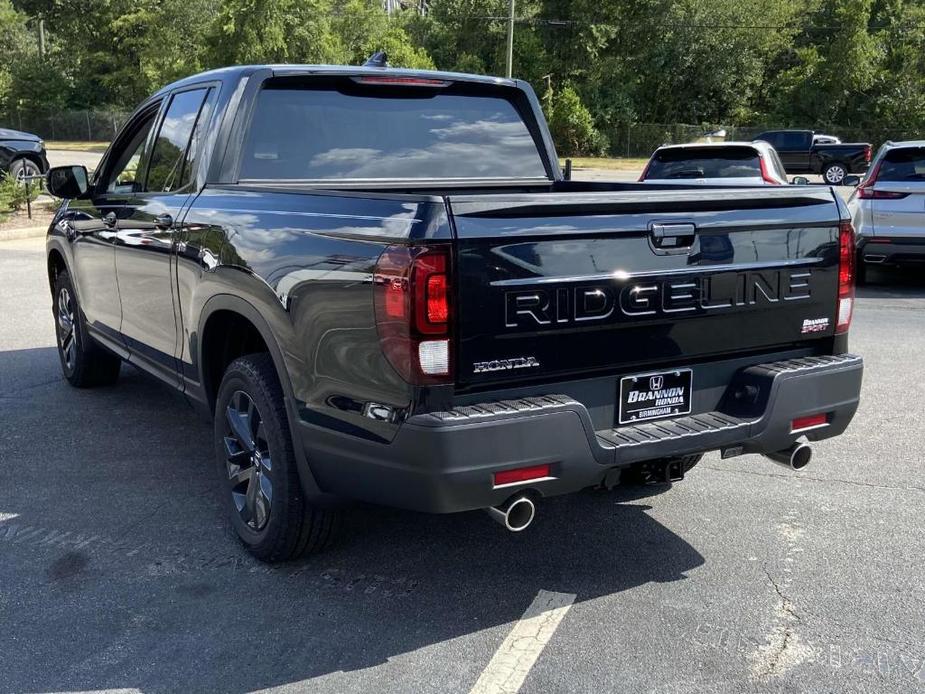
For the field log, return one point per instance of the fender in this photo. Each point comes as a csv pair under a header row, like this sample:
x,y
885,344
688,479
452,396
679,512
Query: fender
x,y
231,302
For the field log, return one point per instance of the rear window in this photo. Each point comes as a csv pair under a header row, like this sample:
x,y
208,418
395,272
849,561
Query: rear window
x,y
349,131
705,162
906,164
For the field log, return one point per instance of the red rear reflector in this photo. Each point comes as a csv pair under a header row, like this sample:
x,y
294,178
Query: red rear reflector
x,y
521,474
808,422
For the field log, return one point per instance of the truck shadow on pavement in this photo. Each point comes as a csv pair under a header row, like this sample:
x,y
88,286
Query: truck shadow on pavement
x,y
118,569
893,283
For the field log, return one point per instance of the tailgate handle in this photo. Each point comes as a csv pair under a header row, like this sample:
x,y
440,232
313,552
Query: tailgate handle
x,y
671,239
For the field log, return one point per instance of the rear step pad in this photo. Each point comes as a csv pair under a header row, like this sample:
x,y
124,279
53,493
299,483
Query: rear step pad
x,y
692,425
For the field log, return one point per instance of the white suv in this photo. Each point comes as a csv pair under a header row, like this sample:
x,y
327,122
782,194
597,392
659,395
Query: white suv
x,y
888,208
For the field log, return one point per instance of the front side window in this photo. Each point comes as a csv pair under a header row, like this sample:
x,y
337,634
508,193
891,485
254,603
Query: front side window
x,y
347,131
125,174
169,168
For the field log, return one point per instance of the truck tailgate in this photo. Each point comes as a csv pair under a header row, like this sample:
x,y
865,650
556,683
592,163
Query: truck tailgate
x,y
554,284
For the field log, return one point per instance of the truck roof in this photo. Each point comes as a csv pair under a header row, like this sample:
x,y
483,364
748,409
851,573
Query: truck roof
x,y
236,72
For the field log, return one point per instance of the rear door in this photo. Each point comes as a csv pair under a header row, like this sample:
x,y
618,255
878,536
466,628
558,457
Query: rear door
x,y
901,174
565,284
794,148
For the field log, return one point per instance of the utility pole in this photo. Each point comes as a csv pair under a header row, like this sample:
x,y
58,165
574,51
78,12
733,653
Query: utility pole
x,y
42,38
510,38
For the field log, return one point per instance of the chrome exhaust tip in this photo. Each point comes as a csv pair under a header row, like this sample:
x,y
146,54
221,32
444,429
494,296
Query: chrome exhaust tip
x,y
796,457
515,514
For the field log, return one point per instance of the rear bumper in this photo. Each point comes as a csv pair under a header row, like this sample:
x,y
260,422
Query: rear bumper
x,y
444,462
892,250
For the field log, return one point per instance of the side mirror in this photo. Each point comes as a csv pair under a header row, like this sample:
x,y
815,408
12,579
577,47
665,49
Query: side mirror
x,y
851,181
799,181
67,181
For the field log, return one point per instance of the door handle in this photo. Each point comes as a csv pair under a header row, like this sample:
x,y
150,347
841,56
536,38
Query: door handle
x,y
672,239
163,221
110,219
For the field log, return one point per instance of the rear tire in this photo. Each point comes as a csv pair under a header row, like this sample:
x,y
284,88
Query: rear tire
x,y
834,173
85,364
257,467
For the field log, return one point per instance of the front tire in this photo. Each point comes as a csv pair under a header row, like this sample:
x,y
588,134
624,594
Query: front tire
x,y
257,467
834,173
22,168
84,363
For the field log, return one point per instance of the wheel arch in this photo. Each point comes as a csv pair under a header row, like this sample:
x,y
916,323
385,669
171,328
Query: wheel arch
x,y
56,264
31,156
226,312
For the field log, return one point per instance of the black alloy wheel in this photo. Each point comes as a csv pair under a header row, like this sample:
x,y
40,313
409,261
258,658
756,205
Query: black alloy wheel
x,y
258,467
248,461
67,329
85,364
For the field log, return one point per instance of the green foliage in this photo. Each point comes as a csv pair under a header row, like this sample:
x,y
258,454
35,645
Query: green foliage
x,y
13,196
571,124
812,63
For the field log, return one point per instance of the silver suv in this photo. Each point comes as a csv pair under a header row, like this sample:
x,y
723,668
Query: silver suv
x,y
888,208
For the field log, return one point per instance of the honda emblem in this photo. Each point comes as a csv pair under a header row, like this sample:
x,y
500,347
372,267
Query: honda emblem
x,y
656,382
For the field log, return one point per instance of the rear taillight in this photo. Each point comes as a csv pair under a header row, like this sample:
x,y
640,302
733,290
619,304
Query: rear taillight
x,y
412,297
846,259
765,175
866,193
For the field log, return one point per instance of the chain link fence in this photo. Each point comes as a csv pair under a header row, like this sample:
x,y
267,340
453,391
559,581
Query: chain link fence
x,y
625,140
82,126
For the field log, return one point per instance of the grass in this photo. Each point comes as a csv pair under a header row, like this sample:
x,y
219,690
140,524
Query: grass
x,y
612,163
77,146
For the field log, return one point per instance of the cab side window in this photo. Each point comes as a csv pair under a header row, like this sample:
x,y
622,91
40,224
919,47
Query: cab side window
x,y
171,163
125,174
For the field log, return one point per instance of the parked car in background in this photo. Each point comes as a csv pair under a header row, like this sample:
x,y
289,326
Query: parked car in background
x,y
22,154
802,154
720,163
888,208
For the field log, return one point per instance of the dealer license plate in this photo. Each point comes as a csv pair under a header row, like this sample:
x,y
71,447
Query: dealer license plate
x,y
655,395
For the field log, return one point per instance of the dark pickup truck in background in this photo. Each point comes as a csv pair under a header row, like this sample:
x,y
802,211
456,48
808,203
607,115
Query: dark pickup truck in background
x,y
802,154
379,286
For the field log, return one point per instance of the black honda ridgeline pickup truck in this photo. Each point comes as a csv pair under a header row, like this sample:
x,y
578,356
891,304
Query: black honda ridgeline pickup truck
x,y
380,286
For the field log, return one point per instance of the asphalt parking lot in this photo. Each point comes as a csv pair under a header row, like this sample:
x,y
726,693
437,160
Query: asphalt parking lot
x,y
118,572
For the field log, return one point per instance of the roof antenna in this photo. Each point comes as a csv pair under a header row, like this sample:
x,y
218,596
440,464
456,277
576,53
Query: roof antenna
x,y
377,59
